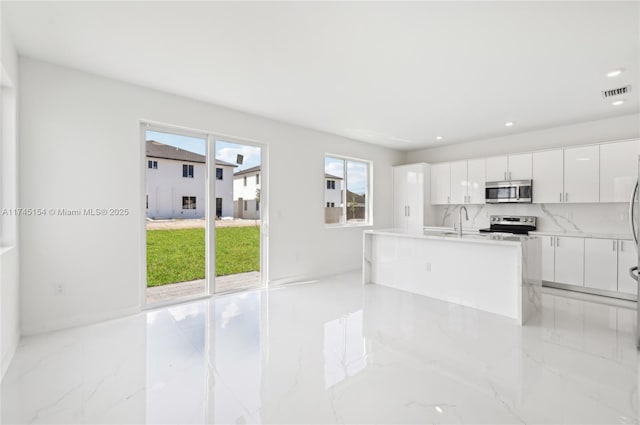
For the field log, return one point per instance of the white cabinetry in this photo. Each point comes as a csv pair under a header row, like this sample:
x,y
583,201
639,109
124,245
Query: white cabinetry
x,y
410,193
627,258
440,184
601,264
520,167
618,170
569,260
548,176
512,167
467,182
497,168
548,257
476,177
458,182
581,174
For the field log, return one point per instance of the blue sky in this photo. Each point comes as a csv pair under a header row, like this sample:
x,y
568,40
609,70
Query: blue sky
x,y
225,151
356,173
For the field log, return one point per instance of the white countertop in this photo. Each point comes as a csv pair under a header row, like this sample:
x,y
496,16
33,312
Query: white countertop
x,y
623,236
467,236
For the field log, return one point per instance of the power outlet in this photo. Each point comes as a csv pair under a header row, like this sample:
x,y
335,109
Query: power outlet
x,y
59,289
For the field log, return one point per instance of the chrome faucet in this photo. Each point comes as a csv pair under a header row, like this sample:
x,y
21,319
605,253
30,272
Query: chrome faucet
x,y
466,214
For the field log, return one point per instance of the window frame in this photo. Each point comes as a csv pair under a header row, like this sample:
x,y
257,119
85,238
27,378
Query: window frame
x,y
189,205
221,177
368,221
190,171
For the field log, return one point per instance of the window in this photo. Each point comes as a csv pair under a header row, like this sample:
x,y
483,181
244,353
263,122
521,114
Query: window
x,y
245,182
147,201
218,207
189,202
187,171
219,174
257,178
152,164
245,204
347,191
257,205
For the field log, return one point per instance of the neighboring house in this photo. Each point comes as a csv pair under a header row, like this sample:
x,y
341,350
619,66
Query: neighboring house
x,y
176,183
332,198
246,184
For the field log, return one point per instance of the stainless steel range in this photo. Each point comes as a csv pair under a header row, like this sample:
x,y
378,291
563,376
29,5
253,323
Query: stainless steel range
x,y
512,224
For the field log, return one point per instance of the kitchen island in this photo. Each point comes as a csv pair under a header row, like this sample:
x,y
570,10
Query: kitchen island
x,y
494,273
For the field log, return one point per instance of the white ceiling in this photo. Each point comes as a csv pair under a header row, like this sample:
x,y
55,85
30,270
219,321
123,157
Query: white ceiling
x,y
395,74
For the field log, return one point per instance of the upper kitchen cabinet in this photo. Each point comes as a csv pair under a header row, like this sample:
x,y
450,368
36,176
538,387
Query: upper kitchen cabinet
x,y
581,174
618,170
497,168
440,184
458,182
512,167
467,182
548,177
476,177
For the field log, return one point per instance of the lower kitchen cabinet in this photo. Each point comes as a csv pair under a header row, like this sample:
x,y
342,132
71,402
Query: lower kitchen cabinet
x,y
569,260
627,258
601,264
548,257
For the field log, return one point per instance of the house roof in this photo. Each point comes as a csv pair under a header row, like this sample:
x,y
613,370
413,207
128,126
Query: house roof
x,y
331,176
160,150
247,171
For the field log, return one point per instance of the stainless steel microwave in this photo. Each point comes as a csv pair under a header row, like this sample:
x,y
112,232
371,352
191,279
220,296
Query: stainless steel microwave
x,y
512,191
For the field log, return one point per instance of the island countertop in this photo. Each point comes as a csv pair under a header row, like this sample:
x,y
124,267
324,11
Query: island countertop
x,y
467,237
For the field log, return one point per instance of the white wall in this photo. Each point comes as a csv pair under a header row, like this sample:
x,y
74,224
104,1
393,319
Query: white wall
x,y
606,218
69,116
9,248
619,128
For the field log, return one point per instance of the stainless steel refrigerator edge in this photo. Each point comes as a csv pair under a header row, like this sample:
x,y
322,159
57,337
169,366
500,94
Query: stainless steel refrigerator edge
x,y
633,271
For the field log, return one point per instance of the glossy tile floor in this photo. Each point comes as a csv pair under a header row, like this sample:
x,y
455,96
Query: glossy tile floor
x,y
332,352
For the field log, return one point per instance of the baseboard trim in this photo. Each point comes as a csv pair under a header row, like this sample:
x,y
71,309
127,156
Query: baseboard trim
x,y
74,322
590,291
304,278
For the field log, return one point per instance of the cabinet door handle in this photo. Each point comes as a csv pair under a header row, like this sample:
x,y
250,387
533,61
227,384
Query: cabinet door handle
x,y
448,199
505,175
560,196
550,240
408,210
566,197
557,241
621,246
614,245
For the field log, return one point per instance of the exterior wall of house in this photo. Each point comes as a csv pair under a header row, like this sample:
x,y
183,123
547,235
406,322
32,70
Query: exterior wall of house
x,y
242,194
333,195
166,186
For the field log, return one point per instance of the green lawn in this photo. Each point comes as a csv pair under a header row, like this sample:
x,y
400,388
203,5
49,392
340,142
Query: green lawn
x,y
178,255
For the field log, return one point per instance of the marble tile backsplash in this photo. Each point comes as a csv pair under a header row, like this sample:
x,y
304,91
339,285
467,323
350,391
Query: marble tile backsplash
x,y
594,218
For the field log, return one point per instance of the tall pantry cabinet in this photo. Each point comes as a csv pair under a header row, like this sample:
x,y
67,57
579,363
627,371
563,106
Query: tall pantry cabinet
x,y
411,197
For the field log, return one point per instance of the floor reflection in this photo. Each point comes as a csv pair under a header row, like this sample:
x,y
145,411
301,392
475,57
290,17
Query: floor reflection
x,y
332,352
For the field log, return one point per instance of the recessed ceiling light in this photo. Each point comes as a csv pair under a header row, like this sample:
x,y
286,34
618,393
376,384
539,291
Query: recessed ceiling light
x,y
509,124
617,102
438,137
614,73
